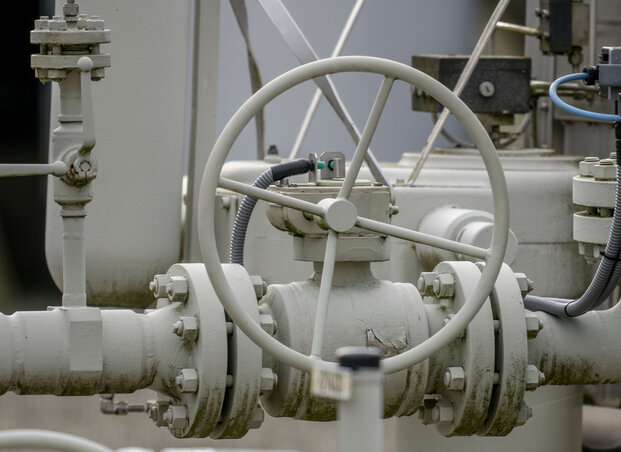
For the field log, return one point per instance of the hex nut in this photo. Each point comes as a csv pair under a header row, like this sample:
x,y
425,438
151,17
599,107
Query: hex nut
x,y
446,322
158,285
71,9
177,419
425,283
82,18
605,170
526,285
177,289
41,23
156,410
187,380
269,379
455,378
524,414
257,418
442,413
267,323
534,378
585,167
533,324
94,23
425,410
57,24
444,286
259,286
186,328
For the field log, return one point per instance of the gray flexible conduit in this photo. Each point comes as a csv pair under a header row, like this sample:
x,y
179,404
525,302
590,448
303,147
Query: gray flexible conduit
x,y
608,273
267,178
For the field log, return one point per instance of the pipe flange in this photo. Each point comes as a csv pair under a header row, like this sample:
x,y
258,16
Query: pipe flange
x,y
473,352
511,355
207,354
240,411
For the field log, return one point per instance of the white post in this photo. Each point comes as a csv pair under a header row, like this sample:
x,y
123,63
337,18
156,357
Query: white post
x,y
360,416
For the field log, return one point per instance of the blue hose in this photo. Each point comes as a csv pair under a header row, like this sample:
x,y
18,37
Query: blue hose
x,y
574,110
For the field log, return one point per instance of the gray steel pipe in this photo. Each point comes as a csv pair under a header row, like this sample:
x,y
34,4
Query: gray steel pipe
x,y
579,350
82,351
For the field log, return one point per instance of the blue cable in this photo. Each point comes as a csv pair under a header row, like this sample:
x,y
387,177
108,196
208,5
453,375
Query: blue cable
x,y
574,110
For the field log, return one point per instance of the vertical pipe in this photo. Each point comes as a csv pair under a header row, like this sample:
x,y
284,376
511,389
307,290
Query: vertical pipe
x,y
360,415
74,257
66,139
593,32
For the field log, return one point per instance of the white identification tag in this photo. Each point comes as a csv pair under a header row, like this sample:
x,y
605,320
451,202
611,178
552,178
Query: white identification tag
x,y
332,384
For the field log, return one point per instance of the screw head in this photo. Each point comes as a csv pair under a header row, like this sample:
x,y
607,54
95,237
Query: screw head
x,y
455,378
187,380
487,89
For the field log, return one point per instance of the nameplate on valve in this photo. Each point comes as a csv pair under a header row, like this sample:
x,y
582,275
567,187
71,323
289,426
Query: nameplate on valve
x,y
331,383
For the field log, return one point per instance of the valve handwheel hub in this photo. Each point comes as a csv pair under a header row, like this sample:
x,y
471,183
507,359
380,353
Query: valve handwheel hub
x,y
339,214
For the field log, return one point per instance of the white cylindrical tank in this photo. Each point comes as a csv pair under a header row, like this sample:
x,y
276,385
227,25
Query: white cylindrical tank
x,y
133,224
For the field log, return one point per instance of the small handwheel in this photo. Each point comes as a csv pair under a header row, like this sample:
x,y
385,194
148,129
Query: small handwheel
x,y
340,215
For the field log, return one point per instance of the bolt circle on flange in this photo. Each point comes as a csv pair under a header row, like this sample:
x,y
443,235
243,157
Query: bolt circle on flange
x,y
468,395
511,357
203,406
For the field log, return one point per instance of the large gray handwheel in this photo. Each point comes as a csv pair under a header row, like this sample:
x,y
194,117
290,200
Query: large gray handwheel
x,y
340,215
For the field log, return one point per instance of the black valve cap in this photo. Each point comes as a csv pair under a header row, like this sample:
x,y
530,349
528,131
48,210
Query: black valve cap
x,y
359,357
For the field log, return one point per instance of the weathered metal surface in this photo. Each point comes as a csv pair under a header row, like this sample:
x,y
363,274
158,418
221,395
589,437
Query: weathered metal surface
x,y
510,358
363,311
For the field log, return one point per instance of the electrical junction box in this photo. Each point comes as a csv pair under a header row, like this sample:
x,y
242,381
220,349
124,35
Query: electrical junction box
x,y
497,85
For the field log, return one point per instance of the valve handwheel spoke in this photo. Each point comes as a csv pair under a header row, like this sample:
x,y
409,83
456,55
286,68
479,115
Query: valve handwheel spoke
x,y
366,137
340,215
323,302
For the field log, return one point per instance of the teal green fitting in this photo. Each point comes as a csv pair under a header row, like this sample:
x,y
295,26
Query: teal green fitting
x,y
321,165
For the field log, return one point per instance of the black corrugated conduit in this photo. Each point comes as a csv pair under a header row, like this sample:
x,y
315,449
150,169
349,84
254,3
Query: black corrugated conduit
x,y
608,273
275,173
